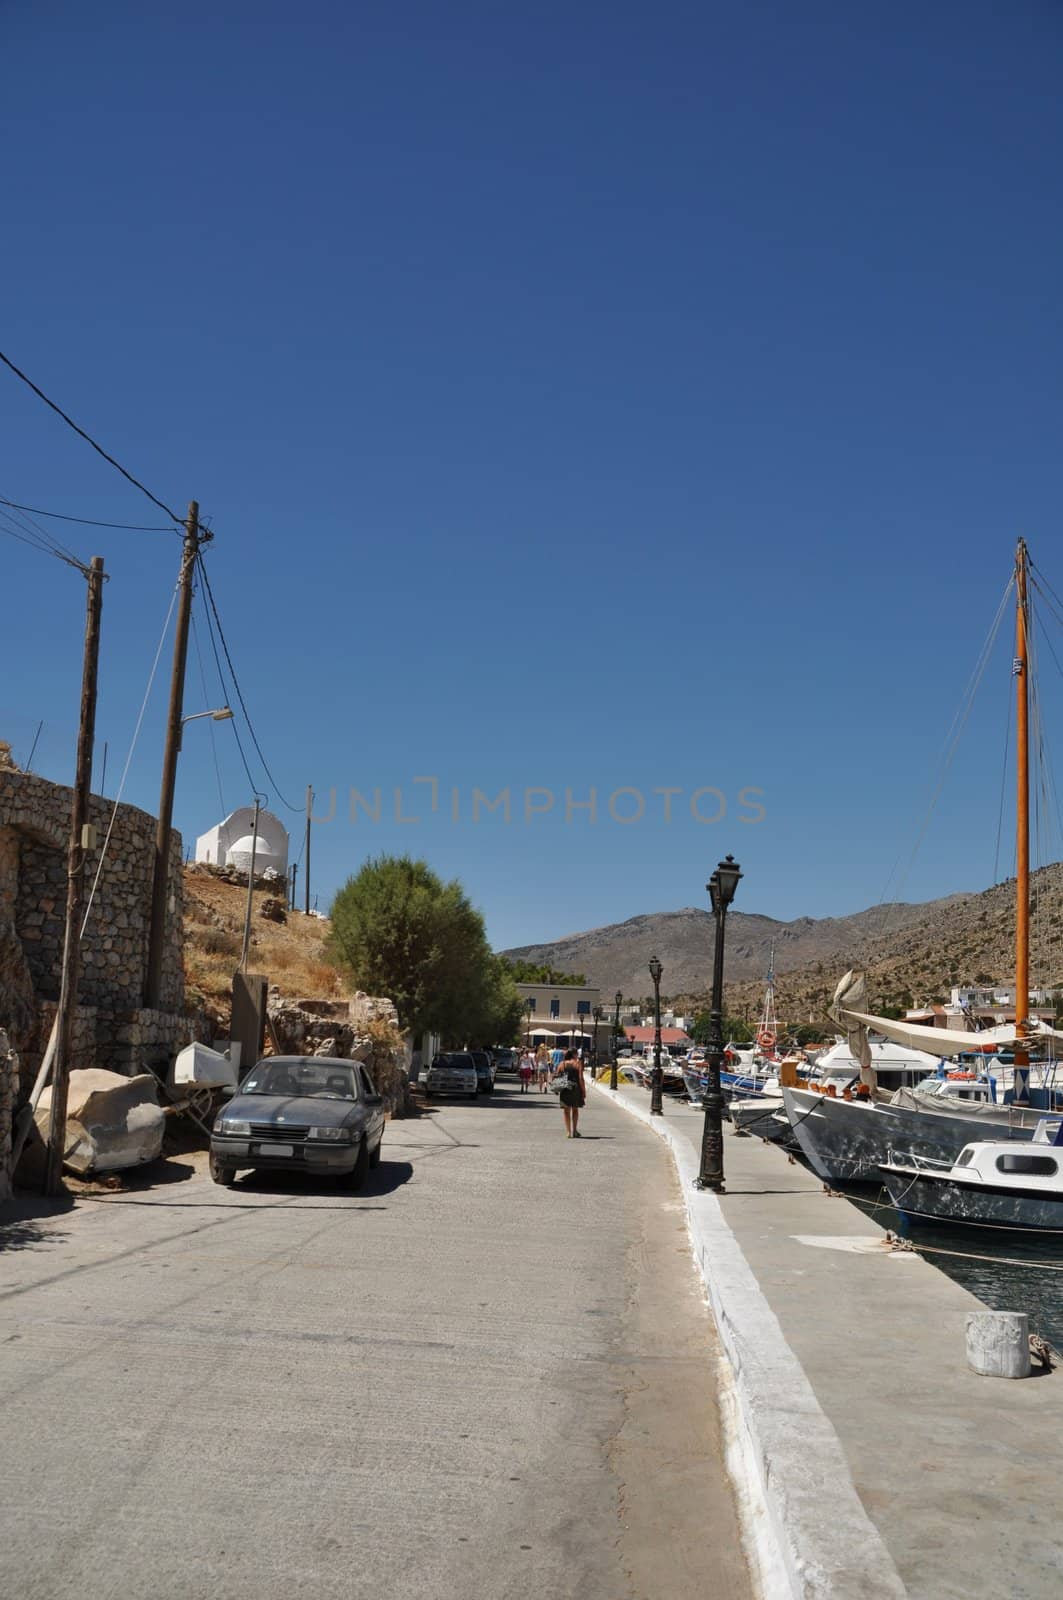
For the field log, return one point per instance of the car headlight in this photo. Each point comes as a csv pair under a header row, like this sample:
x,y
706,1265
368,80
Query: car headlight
x,y
233,1125
334,1135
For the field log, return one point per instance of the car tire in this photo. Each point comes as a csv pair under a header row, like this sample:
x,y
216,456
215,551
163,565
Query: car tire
x,y
475,1094
374,1159
354,1179
221,1173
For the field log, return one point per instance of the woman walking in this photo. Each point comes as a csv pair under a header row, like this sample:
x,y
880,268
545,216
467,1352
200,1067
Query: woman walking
x,y
526,1069
573,1092
542,1068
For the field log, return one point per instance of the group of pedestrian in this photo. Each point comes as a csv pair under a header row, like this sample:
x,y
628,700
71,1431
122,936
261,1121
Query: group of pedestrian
x,y
562,1070
537,1068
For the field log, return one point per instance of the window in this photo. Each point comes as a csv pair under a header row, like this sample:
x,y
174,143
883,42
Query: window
x,y
583,1008
367,1082
1033,1166
966,1157
555,1007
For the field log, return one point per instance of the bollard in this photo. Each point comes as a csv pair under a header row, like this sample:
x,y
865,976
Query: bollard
x,y
998,1343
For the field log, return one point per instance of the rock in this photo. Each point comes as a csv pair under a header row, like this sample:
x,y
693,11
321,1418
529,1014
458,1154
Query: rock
x,y
327,1047
273,910
112,1122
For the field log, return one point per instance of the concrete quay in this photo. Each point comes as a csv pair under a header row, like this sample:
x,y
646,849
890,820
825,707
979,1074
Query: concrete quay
x,y
885,1466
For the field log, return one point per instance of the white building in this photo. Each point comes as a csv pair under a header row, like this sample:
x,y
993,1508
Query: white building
x,y
229,843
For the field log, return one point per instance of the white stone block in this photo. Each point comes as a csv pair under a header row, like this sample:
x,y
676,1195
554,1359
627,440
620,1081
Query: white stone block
x,y
998,1343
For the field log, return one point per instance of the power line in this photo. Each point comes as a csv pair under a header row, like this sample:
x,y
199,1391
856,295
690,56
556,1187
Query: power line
x,y
91,522
90,440
226,697
37,540
236,685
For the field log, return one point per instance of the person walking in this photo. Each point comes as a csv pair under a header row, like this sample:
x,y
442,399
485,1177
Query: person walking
x,y
526,1070
542,1069
573,1092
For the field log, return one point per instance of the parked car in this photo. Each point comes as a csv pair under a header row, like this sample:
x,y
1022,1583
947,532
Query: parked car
x,y
505,1062
300,1113
485,1071
453,1072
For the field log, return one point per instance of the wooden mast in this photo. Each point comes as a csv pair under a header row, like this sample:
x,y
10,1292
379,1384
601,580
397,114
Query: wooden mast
x,y
1022,818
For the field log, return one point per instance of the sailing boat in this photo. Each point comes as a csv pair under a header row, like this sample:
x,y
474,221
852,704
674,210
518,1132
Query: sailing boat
x,y
849,1140
745,1073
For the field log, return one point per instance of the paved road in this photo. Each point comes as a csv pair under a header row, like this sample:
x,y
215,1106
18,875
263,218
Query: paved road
x,y
489,1374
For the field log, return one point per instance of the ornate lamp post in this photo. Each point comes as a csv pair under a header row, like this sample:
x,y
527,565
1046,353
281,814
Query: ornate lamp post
x,y
616,1040
721,887
529,1006
597,1015
657,1076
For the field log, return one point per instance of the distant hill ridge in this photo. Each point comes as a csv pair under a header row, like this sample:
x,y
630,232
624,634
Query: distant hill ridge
x,y
913,952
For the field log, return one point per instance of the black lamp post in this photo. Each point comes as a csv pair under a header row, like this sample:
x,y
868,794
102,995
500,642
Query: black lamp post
x,y
597,1015
529,1007
657,1076
721,887
616,1040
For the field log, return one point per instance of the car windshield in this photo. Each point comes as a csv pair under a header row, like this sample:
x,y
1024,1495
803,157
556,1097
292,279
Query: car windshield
x,y
325,1080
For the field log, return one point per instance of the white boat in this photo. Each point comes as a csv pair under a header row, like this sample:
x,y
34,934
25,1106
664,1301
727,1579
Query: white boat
x,y
991,1184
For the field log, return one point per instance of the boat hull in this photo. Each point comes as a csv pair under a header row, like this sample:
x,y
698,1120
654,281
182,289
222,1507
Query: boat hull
x,y
758,1116
846,1141
929,1198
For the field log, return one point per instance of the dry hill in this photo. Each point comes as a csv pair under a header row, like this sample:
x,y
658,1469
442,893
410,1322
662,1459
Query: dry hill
x,y
291,953
913,952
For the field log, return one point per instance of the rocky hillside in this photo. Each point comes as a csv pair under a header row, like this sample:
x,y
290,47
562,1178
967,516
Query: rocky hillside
x,y
913,952
291,952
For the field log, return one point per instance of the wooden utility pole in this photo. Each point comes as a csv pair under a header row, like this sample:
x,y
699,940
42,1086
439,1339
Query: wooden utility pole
x,y
194,537
306,851
250,889
1021,1089
80,843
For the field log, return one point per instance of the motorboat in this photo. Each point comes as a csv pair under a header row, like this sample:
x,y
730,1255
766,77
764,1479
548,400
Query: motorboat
x,y
991,1184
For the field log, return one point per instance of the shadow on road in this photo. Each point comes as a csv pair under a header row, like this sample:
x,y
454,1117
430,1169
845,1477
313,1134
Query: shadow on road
x,y
389,1176
22,1221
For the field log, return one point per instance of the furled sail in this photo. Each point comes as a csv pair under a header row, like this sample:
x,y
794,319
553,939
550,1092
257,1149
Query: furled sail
x,y
939,1041
846,1010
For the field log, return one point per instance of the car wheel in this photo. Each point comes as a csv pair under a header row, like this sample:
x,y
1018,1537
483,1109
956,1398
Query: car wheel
x,y
374,1159
354,1179
475,1094
221,1173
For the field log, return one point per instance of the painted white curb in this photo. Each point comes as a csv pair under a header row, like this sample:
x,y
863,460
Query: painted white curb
x,y
826,1547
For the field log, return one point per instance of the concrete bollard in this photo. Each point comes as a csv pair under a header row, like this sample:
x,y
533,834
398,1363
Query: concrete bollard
x,y
998,1343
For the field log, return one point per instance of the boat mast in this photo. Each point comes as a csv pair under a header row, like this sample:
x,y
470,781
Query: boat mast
x,y
1020,668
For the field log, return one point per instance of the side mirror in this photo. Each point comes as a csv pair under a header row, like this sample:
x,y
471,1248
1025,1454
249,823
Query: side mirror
x,y
374,1099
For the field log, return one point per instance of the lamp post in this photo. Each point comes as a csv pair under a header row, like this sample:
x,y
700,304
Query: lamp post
x,y
529,1006
721,887
597,1015
616,1040
657,1077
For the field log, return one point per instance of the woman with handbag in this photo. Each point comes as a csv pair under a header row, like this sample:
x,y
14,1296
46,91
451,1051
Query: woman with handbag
x,y
571,1091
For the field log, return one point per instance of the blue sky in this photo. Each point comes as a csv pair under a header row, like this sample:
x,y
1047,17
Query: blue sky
x,y
612,396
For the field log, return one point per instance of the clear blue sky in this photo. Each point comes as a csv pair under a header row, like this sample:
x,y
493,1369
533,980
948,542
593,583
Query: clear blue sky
x,y
599,395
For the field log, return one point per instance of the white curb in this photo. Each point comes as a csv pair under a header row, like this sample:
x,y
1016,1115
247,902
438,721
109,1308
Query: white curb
x,y
812,1538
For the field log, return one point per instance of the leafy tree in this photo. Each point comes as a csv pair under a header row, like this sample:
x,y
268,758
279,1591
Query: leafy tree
x,y
529,972
399,930
734,1029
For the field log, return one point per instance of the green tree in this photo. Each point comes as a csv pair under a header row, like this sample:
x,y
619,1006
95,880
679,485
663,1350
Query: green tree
x,y
529,972
734,1029
400,931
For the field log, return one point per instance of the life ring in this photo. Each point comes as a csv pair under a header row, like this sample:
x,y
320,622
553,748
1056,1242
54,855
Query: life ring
x,y
765,1038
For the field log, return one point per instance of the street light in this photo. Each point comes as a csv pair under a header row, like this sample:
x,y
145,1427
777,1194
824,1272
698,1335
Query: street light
x,y
721,887
657,1076
597,1015
616,1040
529,1007
223,714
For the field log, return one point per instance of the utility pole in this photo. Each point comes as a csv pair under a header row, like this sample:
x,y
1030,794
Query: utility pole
x,y
194,537
250,890
306,868
81,841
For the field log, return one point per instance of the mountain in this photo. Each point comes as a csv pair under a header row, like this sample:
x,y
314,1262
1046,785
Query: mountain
x,y
913,953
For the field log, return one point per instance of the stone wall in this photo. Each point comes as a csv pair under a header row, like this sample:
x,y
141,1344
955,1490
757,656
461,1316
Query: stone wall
x,y
34,825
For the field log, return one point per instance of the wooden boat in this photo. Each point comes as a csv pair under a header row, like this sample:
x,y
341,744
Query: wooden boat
x,y
850,1139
